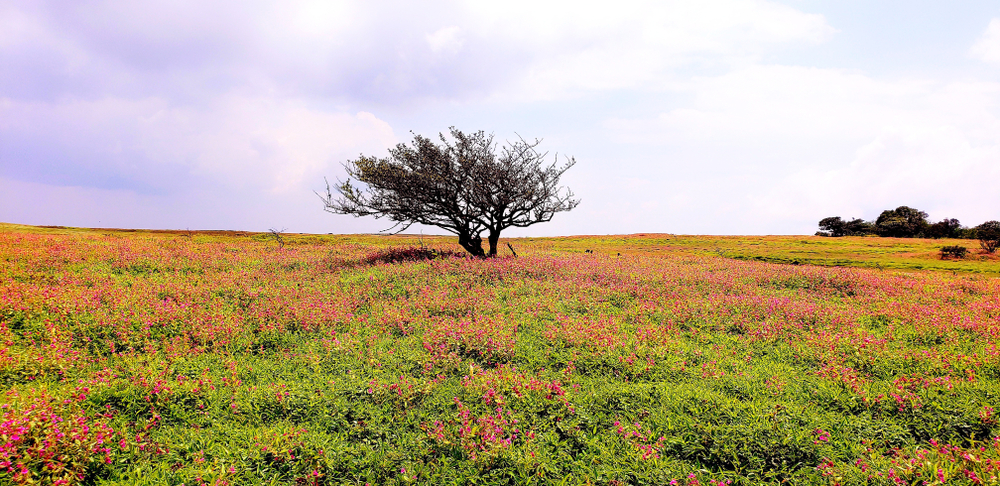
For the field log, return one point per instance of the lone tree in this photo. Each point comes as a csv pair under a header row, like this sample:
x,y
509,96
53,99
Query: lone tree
x,y
988,235
463,186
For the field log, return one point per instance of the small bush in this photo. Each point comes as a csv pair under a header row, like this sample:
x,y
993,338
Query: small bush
x,y
953,251
409,254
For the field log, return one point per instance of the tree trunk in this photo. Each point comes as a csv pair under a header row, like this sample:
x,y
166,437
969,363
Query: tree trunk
x,y
472,244
493,239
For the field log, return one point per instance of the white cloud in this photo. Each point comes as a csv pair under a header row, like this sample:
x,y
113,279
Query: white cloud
x,y
635,44
446,40
793,143
987,47
938,169
237,163
719,26
39,203
386,54
357,51
800,104
235,143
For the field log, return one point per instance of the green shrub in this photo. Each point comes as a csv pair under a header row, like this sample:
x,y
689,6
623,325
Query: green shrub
x,y
953,251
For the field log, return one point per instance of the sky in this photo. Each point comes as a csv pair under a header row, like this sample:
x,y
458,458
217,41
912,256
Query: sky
x,y
685,117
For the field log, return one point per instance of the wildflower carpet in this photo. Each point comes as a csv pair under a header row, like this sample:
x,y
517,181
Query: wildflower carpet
x,y
221,358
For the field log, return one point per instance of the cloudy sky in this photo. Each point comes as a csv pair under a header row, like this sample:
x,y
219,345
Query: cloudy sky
x,y
701,116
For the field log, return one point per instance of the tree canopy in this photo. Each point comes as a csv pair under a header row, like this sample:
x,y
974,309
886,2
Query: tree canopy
x,y
835,226
902,222
988,234
462,185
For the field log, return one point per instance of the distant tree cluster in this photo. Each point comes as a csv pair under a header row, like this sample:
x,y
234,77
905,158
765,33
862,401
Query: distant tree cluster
x,y
835,226
907,222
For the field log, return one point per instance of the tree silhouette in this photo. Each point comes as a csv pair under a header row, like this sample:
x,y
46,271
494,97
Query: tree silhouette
x,y
462,185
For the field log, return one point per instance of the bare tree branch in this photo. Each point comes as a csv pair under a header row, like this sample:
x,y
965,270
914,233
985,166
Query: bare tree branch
x,y
276,235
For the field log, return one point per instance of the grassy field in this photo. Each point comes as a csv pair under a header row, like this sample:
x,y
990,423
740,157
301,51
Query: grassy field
x,y
869,252
137,357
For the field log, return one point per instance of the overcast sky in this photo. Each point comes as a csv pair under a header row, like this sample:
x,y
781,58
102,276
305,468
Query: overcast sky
x,y
702,116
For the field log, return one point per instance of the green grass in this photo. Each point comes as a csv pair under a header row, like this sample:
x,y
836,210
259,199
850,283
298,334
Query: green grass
x,y
869,251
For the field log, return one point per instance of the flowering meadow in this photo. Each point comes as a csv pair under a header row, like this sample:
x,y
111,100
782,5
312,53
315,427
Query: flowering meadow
x,y
226,359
